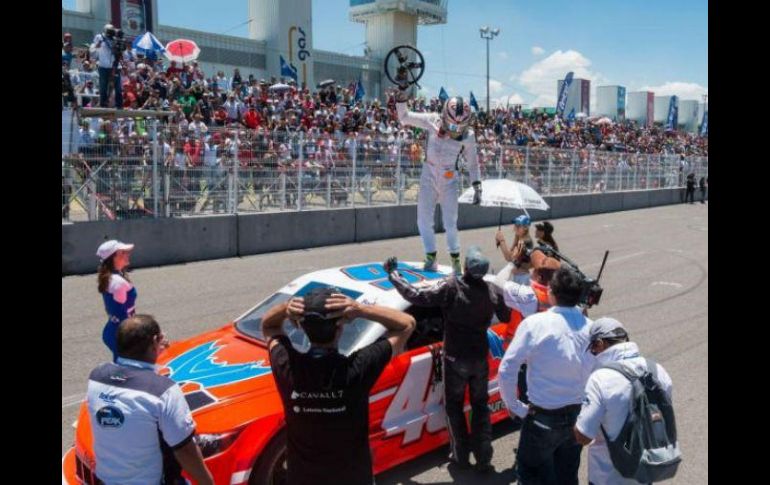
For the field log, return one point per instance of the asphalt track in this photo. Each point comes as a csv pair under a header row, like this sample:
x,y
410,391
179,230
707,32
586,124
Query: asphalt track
x,y
656,283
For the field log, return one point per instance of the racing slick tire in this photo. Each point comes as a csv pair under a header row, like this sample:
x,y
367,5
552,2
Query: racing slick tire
x,y
270,468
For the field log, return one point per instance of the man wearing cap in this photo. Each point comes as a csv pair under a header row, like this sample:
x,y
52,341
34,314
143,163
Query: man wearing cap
x,y
553,345
325,394
118,293
467,304
138,416
608,397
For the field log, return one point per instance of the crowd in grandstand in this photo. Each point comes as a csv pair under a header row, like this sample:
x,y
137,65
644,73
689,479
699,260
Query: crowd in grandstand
x,y
215,110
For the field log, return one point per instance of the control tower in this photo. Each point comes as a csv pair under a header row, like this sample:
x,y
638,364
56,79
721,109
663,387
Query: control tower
x,y
390,23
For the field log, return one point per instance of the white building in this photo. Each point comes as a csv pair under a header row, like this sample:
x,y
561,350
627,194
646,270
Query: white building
x,y
611,102
661,108
578,96
640,106
688,115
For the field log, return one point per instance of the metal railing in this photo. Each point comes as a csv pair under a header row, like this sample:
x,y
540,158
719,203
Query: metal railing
x,y
162,171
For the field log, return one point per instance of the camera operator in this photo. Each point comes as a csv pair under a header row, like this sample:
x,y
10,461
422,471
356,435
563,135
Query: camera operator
x,y
553,345
325,394
104,48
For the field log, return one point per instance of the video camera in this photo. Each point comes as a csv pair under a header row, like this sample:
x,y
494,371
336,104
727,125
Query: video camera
x,y
591,291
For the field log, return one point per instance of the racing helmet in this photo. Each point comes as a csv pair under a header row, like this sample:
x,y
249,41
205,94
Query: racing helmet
x,y
456,117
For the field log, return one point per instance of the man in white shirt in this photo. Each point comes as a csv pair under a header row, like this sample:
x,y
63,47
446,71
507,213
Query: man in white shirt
x,y
607,398
103,49
553,345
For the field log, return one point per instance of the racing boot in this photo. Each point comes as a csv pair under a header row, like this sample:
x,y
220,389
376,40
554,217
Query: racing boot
x,y
430,262
456,266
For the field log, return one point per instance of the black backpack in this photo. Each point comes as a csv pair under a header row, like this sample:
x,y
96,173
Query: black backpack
x,y
646,449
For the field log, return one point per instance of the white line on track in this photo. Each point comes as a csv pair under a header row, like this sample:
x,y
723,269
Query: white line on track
x,y
71,400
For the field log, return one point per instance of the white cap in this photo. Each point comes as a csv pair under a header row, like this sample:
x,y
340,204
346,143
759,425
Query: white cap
x,y
109,248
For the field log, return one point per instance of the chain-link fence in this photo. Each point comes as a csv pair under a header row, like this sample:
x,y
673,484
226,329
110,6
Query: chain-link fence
x,y
144,167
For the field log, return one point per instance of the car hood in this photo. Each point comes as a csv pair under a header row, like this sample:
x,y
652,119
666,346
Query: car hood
x,y
225,376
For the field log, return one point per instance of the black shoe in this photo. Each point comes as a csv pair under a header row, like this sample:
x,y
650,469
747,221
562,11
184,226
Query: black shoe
x,y
460,465
484,468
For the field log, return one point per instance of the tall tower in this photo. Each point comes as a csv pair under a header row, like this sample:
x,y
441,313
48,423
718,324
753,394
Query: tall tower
x,y
390,23
286,28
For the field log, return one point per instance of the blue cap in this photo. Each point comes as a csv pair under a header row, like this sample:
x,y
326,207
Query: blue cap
x,y
522,220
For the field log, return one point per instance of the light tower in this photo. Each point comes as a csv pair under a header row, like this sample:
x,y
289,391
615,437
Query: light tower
x,y
390,23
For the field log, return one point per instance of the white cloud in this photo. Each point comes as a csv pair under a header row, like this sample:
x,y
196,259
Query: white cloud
x,y
495,87
511,99
678,88
502,55
514,78
537,50
540,79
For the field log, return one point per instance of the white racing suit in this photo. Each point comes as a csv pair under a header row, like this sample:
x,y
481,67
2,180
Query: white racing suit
x,y
439,180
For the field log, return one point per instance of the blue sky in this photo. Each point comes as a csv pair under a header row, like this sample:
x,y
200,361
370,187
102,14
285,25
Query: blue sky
x,y
641,44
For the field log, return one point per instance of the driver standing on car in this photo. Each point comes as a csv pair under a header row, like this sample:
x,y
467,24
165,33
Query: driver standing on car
x,y
467,303
325,394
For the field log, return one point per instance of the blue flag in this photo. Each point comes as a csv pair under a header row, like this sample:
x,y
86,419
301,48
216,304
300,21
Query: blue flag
x,y
671,119
704,127
562,101
442,95
571,116
473,103
288,69
360,93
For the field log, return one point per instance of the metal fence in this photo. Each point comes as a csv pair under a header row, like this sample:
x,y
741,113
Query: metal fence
x,y
160,170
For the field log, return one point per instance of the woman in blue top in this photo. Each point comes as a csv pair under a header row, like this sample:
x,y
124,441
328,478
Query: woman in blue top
x,y
117,291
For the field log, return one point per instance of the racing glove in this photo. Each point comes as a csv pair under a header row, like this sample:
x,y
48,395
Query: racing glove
x,y
476,192
390,265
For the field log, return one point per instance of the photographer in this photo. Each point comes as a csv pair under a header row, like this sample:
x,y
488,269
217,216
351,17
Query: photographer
x,y
553,345
325,394
104,48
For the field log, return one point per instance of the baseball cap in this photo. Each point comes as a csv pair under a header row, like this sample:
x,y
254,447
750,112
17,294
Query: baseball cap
x,y
315,303
606,327
522,220
476,264
110,247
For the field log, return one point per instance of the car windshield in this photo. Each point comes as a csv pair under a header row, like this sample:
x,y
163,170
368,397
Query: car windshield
x,y
355,335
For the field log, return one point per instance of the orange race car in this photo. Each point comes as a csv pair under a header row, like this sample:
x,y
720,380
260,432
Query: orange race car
x,y
226,377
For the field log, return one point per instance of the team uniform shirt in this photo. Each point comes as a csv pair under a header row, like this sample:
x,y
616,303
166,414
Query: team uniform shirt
x,y
607,403
325,398
131,408
439,180
553,345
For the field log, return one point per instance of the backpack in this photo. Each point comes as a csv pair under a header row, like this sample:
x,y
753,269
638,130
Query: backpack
x,y
646,449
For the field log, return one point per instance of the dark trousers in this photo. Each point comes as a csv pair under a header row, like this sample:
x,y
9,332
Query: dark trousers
x,y
105,75
548,452
690,195
473,374
703,196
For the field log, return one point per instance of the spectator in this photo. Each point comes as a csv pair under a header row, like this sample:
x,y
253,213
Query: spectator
x,y
251,119
103,47
544,234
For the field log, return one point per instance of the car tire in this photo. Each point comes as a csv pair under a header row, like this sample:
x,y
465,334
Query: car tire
x,y
270,468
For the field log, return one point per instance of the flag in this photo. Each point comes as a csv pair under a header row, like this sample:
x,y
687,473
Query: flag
x,y
473,103
671,119
571,117
442,95
562,101
704,127
360,93
288,69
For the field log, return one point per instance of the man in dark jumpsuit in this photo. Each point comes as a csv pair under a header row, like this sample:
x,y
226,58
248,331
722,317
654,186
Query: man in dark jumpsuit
x,y
690,189
467,303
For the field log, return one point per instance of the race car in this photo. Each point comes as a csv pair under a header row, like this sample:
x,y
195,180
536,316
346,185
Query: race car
x,y
228,384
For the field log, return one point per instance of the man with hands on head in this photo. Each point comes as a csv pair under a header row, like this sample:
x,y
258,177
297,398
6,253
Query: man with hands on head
x,y
325,394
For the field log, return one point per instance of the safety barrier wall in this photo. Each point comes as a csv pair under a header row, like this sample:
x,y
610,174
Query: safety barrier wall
x,y
179,240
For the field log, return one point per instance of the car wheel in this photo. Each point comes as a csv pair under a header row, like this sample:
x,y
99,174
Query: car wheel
x,y
270,468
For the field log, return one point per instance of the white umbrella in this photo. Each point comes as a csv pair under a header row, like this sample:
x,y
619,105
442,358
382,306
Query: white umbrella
x,y
581,115
279,87
604,121
506,193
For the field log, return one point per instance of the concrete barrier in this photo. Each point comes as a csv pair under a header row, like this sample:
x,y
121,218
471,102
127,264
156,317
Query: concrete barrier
x,y
608,202
170,241
636,199
262,233
158,241
373,223
570,205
